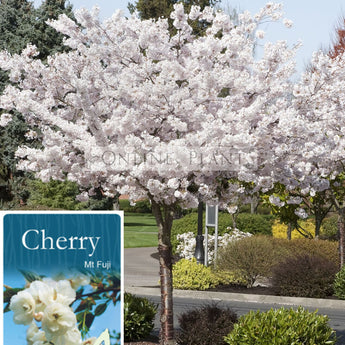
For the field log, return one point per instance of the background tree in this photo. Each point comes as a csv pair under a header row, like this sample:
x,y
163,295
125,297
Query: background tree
x,y
338,47
154,9
130,109
20,24
313,145
48,42
292,205
148,9
17,19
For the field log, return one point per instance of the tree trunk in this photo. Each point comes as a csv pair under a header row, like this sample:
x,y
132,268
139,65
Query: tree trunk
x,y
116,202
318,222
234,218
254,203
164,218
289,231
341,230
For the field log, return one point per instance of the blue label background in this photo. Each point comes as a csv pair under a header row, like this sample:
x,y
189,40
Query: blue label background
x,y
48,262
16,256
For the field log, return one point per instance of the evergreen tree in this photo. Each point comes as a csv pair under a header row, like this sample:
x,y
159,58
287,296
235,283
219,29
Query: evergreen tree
x,y
20,24
154,9
47,40
162,8
17,19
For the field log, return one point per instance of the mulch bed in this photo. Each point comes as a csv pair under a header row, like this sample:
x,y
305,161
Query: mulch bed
x,y
256,290
152,340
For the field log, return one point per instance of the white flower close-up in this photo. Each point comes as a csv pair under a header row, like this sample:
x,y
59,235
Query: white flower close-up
x,y
57,320
23,306
42,293
34,335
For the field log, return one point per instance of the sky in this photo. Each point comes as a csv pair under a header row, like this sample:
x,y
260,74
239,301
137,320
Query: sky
x,y
314,21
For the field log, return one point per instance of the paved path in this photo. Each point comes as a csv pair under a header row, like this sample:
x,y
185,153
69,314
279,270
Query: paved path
x,y
141,267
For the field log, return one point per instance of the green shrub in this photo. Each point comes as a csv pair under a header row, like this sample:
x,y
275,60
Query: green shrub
x,y
207,325
139,314
282,327
339,284
253,256
62,195
54,194
329,229
230,277
253,223
141,206
323,248
304,276
189,275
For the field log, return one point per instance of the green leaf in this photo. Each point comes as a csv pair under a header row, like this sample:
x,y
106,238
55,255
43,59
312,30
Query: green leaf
x,y
89,320
101,308
8,293
82,306
7,308
30,276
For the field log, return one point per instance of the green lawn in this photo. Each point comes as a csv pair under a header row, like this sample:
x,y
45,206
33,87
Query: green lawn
x,y
140,230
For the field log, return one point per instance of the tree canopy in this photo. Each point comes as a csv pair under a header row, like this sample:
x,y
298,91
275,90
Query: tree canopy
x,y
135,109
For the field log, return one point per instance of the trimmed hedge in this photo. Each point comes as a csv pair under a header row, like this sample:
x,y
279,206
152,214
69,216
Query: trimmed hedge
x,y
141,206
189,275
329,229
253,223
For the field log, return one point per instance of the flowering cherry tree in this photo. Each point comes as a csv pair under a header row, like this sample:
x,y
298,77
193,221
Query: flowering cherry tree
x,y
311,151
132,109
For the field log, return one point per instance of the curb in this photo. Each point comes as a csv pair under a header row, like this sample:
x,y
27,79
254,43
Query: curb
x,y
238,297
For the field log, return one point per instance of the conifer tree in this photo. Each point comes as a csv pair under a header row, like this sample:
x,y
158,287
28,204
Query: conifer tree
x,y
162,8
20,24
47,40
154,9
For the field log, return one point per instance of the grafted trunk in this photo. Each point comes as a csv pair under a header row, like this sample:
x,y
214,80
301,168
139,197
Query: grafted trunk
x,y
164,218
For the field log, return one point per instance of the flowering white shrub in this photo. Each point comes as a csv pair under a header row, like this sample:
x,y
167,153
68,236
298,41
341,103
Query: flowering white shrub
x,y
44,305
186,247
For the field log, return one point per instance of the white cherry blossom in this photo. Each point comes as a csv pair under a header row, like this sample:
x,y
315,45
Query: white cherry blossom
x,y
58,319
34,335
23,306
134,110
42,293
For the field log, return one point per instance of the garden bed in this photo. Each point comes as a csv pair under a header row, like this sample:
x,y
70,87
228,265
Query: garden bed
x,y
255,290
152,340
